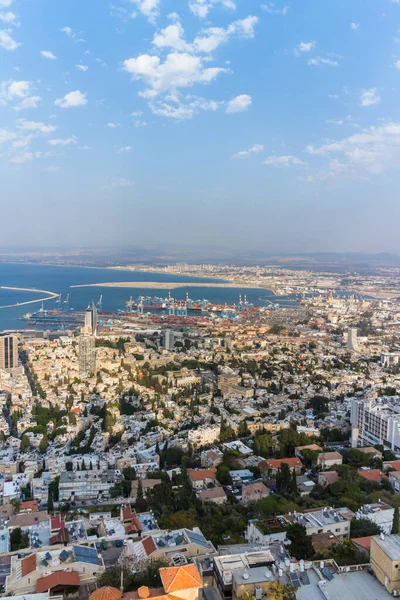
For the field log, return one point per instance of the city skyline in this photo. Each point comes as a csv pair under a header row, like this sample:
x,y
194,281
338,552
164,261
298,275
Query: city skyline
x,y
262,125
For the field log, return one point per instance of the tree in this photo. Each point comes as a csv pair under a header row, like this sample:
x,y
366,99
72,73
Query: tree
x,y
300,543
284,480
129,473
294,482
278,591
224,475
43,444
25,443
363,528
396,521
140,501
263,445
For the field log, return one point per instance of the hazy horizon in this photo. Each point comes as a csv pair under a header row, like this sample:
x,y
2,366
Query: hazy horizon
x,y
256,126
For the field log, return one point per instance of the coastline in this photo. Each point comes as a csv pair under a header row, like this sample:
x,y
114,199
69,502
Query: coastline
x,y
172,285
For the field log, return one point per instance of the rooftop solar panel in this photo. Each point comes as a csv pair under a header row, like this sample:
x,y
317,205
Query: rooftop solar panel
x,y
88,555
197,538
64,556
305,580
295,579
327,573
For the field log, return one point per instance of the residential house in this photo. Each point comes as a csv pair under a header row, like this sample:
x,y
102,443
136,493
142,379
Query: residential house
x,y
326,460
216,495
201,479
272,465
252,492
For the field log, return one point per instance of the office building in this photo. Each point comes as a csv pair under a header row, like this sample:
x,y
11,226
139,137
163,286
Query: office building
x,y
90,327
87,356
168,339
376,421
8,352
352,342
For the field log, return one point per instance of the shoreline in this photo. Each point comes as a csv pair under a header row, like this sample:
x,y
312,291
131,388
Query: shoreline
x,y
171,285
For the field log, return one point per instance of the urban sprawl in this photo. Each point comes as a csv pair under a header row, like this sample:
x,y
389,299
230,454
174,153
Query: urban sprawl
x,y
247,454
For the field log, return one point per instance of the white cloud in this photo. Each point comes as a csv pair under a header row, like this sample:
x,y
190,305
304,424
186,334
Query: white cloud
x,y
5,3
319,60
273,9
179,70
201,8
23,142
354,26
26,157
334,121
113,125
305,46
253,150
11,90
64,142
8,17
139,123
72,100
70,33
6,135
124,149
51,169
122,182
369,97
374,150
82,67
210,38
397,64
148,8
35,126
48,54
239,104
28,102
184,108
282,161
7,41
84,147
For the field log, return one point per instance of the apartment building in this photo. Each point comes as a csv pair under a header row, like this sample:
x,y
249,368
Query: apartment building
x,y
385,561
324,520
204,435
83,485
376,421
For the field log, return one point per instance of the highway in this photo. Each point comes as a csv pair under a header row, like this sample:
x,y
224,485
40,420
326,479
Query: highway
x,y
49,296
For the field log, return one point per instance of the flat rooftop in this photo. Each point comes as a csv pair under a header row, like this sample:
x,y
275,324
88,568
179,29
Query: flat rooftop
x,y
316,518
390,544
359,585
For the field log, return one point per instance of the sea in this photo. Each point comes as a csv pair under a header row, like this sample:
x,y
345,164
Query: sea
x,y
59,279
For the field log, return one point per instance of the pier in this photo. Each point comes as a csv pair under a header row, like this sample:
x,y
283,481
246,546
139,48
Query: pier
x,y
48,296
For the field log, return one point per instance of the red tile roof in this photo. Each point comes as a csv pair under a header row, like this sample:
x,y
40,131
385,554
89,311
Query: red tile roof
x,y
201,474
28,564
395,464
30,506
372,474
364,542
56,579
149,545
176,579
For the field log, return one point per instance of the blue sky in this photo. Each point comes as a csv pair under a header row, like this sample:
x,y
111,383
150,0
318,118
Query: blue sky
x,y
239,123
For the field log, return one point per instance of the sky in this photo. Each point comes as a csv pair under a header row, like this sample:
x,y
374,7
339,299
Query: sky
x,y
245,124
